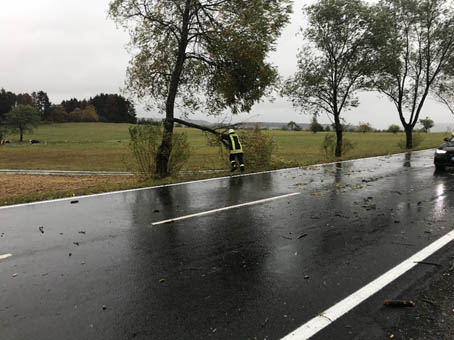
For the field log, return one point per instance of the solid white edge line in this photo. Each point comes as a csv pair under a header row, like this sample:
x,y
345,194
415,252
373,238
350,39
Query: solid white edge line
x,y
193,182
225,208
2,257
324,319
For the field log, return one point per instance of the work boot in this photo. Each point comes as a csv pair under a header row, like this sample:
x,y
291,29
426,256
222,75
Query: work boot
x,y
234,167
242,168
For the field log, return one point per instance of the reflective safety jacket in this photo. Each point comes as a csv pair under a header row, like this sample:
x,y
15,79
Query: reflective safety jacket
x,y
234,143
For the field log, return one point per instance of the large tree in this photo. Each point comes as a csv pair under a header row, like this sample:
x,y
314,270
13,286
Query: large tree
x,y
22,118
419,42
334,61
199,55
42,103
7,102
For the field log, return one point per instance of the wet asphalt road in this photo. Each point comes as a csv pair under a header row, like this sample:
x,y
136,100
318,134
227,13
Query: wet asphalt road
x,y
100,269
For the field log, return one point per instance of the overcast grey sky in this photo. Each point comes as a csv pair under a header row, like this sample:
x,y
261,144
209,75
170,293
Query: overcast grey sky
x,y
69,48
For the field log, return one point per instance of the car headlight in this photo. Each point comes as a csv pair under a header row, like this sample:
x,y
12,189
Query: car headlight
x,y
440,151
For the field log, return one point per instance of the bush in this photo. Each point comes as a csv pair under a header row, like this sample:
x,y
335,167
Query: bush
x,y
364,127
258,148
89,114
58,114
75,115
144,143
329,145
180,152
394,128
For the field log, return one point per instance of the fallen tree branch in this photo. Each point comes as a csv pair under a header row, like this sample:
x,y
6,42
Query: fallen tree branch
x,y
196,126
206,129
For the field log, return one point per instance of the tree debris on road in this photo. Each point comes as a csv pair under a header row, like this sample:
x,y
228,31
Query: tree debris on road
x,y
428,263
399,303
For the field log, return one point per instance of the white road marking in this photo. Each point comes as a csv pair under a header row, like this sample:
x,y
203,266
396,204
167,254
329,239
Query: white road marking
x,y
327,317
225,208
194,182
2,257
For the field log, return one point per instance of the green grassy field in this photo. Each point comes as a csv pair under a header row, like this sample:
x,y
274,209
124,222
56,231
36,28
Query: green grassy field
x,y
103,146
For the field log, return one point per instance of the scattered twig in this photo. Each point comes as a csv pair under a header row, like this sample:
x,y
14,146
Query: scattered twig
x,y
428,263
265,322
399,303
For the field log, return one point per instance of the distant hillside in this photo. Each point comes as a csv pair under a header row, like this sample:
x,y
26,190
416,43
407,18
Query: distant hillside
x,y
443,127
275,125
198,122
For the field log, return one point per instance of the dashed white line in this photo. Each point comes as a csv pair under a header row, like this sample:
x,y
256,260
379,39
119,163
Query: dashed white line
x,y
324,319
225,208
2,257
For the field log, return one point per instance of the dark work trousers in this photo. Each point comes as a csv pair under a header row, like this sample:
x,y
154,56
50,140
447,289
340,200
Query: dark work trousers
x,y
239,157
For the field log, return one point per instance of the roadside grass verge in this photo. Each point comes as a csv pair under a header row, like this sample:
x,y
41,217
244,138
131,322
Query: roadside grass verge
x,y
47,187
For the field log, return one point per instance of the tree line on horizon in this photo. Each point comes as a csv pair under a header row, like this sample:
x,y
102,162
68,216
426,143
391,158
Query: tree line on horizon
x,y
109,108
22,112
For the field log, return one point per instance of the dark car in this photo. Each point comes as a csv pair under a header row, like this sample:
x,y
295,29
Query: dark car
x,y
444,155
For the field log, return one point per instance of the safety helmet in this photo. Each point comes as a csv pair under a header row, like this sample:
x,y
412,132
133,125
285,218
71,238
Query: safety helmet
x,y
231,131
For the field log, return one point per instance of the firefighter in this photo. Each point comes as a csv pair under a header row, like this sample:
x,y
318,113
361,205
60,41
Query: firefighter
x,y
236,149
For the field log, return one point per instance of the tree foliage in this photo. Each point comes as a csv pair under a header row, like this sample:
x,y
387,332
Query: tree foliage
x,y
417,42
393,128
444,86
334,62
7,102
58,114
364,127
427,124
22,118
315,125
42,103
293,126
114,108
200,55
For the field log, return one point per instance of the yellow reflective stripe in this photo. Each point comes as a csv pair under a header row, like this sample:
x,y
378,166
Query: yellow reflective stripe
x,y
234,146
